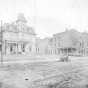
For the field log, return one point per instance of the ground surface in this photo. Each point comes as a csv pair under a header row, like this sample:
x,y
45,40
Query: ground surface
x,y
50,74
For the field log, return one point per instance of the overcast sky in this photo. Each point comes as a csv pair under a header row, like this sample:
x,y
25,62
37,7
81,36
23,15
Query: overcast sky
x,y
48,16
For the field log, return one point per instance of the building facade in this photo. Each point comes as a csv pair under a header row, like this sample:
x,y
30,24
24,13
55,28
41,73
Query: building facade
x,y
70,42
18,37
42,46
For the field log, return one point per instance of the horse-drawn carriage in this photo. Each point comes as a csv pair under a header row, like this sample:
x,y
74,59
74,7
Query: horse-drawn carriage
x,y
64,58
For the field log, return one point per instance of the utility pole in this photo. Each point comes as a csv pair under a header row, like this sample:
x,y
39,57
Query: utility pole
x,y
1,45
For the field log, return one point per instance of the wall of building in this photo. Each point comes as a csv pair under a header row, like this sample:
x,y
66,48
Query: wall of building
x,y
18,37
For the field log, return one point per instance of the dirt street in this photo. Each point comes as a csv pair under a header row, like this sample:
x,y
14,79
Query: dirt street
x,y
45,74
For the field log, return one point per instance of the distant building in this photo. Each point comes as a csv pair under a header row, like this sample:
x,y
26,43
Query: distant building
x,y
45,46
42,46
70,42
18,37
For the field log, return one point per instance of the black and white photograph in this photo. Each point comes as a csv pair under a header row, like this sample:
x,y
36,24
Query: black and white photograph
x,y
43,43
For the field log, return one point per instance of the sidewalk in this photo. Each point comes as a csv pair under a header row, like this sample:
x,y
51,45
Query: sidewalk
x,y
27,58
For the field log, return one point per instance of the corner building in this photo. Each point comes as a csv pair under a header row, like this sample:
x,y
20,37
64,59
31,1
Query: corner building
x,y
18,37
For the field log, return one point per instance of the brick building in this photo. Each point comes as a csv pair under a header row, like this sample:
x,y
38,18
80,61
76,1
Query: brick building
x,y
71,42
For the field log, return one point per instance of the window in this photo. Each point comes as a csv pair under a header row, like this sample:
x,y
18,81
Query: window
x,y
30,49
37,50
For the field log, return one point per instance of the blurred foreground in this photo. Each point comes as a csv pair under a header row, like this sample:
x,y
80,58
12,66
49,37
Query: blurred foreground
x,y
46,74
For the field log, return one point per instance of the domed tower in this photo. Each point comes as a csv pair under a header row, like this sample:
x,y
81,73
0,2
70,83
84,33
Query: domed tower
x,y
21,22
22,26
26,35
21,18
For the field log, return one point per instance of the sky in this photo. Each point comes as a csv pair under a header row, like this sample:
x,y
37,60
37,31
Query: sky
x,y
48,16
